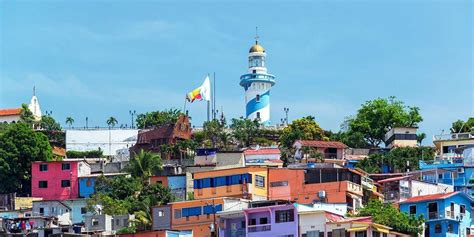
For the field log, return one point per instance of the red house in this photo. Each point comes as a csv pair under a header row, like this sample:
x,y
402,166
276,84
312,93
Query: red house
x,y
57,180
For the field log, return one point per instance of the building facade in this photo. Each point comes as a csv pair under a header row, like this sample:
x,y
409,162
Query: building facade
x,y
57,180
447,214
257,84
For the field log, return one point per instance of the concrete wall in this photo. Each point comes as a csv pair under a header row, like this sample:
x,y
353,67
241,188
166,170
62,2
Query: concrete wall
x,y
108,140
53,208
312,222
161,218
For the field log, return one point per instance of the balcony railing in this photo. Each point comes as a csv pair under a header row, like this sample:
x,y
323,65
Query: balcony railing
x,y
453,136
450,214
433,215
235,233
260,228
353,187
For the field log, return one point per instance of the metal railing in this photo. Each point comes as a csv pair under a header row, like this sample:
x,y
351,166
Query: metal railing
x,y
433,215
453,136
260,228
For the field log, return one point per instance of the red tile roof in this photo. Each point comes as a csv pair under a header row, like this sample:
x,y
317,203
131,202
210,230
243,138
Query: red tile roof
x,y
430,197
392,179
262,151
6,112
326,144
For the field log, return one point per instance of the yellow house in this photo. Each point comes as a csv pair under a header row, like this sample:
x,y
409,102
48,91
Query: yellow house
x,y
244,182
448,144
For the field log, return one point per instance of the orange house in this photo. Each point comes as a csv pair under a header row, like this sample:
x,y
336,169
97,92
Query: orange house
x,y
306,186
197,216
243,182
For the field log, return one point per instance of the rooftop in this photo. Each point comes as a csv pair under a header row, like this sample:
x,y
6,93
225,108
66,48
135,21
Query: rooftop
x,y
430,197
7,112
325,144
262,151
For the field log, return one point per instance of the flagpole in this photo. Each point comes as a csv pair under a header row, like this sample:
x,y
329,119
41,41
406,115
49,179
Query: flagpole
x,y
209,104
184,109
214,98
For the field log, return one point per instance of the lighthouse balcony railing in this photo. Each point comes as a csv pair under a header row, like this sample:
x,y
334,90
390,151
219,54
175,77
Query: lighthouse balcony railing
x,y
257,76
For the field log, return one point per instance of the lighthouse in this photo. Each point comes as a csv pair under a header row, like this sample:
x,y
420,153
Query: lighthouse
x,y
257,83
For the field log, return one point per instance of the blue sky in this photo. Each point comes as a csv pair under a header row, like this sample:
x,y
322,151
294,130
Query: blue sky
x,y
103,58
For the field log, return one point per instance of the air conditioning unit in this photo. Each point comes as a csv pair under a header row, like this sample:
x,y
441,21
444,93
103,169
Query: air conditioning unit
x,y
322,194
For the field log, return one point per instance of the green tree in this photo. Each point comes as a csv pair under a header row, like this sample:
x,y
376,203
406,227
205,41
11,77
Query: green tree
x,y
26,116
400,159
377,117
69,121
304,128
158,118
386,214
460,126
420,137
112,122
213,130
144,164
244,131
19,146
52,129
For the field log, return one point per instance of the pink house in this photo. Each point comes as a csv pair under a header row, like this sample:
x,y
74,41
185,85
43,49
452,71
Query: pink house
x,y
57,180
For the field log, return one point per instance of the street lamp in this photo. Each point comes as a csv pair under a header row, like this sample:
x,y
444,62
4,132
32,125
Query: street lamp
x,y
132,113
48,113
286,114
87,122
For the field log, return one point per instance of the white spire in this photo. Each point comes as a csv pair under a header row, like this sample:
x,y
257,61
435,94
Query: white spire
x,y
34,106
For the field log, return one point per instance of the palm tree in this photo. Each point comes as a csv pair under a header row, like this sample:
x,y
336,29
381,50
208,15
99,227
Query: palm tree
x,y
111,122
144,165
420,137
69,121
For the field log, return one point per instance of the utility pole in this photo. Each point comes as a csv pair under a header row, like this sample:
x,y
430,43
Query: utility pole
x,y
87,122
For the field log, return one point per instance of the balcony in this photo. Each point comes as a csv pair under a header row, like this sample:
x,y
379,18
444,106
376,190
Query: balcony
x,y
353,187
450,214
260,228
235,233
453,136
438,164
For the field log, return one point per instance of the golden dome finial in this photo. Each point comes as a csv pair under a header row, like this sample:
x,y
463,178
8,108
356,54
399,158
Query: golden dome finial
x,y
256,48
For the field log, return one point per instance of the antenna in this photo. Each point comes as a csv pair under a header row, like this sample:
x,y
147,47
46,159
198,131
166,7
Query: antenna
x,y
256,35
34,90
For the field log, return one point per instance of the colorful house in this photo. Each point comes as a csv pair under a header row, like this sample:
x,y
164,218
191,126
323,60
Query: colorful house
x,y
446,214
176,183
57,180
329,149
198,216
265,156
246,182
398,189
87,183
357,227
310,185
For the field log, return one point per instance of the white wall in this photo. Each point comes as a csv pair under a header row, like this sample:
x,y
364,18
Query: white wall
x,y
108,140
312,222
9,118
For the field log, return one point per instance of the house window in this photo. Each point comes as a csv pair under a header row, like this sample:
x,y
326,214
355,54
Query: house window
x,y
117,222
259,181
161,213
263,221
438,228
66,166
375,234
257,98
65,183
95,222
450,228
284,216
339,233
462,209
361,234
468,231
83,210
253,221
41,211
413,210
43,184
177,213
43,167
279,184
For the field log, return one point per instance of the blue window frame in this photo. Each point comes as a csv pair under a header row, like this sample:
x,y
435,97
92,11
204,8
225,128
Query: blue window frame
x,y
191,211
222,181
208,209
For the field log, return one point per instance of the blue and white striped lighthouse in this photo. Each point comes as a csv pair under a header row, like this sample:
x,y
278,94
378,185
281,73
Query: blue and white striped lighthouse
x,y
257,84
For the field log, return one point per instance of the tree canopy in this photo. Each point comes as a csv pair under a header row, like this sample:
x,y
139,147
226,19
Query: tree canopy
x,y
245,130
304,128
377,117
128,195
53,131
19,146
399,159
157,118
461,126
144,164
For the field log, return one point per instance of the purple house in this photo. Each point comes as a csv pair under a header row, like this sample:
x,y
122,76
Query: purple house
x,y
262,218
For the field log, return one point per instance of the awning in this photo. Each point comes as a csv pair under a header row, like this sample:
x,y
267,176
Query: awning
x,y
382,230
362,228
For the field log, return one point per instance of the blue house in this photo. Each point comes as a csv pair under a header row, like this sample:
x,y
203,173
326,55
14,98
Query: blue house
x,y
87,183
446,214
